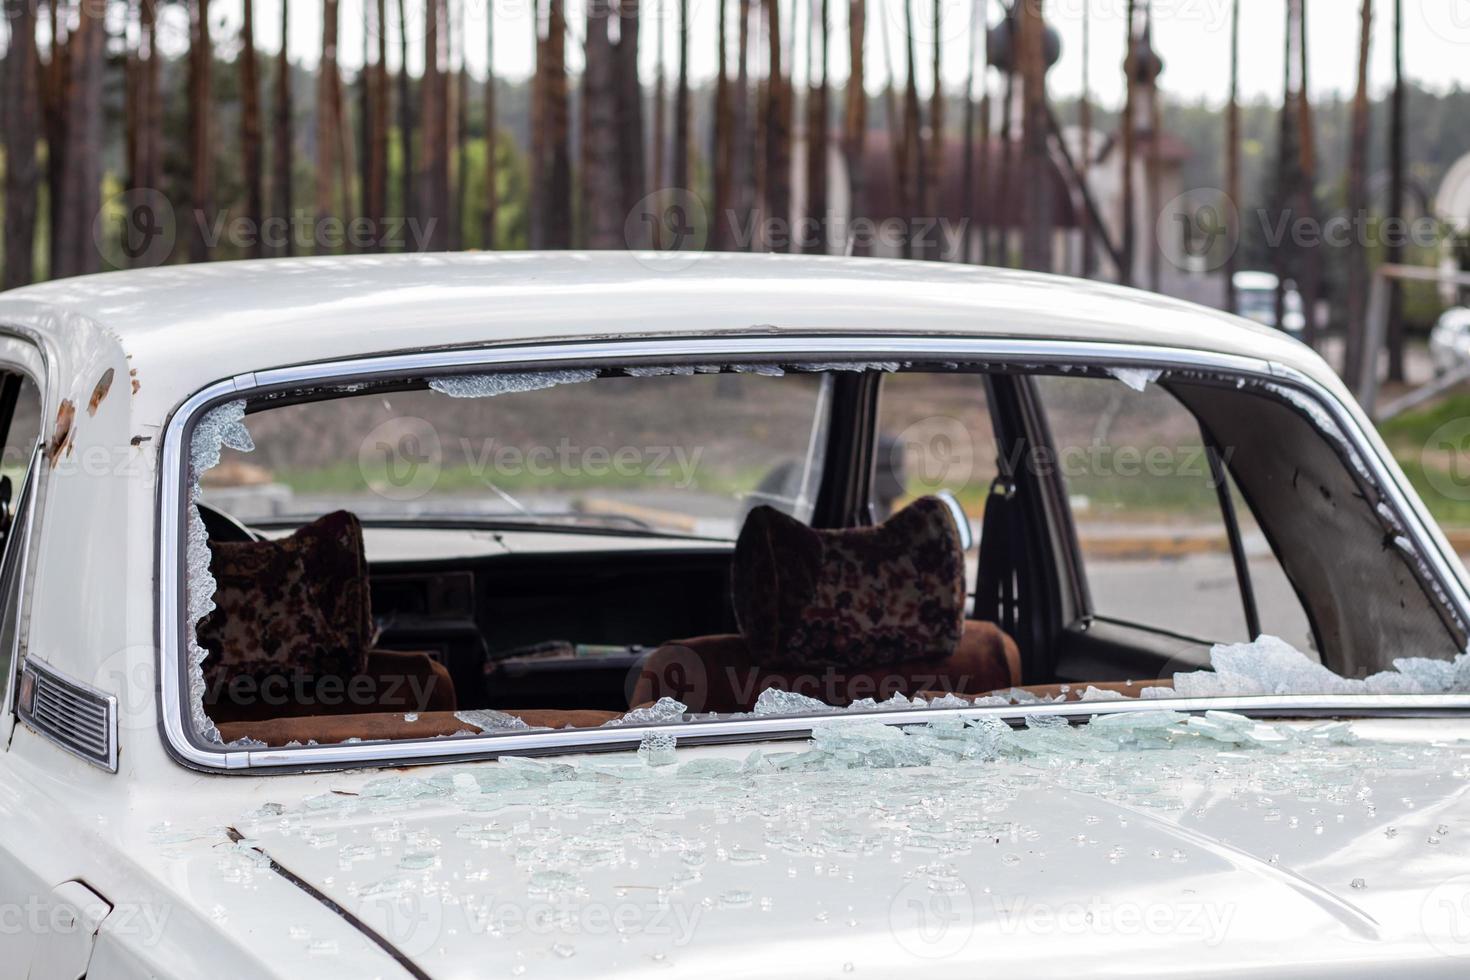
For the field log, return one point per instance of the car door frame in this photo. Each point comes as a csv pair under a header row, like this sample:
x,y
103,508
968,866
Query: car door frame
x,y
19,356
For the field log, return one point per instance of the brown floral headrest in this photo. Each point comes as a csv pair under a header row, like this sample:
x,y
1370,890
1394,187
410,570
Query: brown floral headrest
x,y
859,597
299,604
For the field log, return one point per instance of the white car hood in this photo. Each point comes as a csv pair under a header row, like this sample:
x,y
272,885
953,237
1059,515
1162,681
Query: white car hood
x,y
1313,859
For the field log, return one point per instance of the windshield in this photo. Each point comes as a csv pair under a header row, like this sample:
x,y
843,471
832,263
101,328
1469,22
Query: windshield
x,y
686,455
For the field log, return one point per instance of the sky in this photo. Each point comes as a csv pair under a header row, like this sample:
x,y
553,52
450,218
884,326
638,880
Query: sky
x,y
1193,37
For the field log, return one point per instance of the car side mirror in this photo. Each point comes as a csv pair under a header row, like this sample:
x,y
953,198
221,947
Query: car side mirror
x,y
961,520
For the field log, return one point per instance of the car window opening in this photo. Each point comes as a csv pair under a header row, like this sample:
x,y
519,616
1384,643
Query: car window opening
x,y
505,552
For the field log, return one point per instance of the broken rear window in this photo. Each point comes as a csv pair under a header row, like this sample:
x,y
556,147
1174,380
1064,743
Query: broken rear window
x,y
507,553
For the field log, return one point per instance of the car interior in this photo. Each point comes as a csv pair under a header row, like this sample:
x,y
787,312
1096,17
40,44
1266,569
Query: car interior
x,y
389,563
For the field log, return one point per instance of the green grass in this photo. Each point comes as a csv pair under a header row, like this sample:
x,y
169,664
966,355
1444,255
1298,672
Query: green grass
x,y
1411,431
346,477
1409,434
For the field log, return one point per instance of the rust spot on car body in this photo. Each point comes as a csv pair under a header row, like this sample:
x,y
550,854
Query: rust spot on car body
x,y
61,437
104,385
133,377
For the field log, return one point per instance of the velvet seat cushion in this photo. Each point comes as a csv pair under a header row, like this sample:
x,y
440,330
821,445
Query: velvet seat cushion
x,y
850,598
299,604
718,673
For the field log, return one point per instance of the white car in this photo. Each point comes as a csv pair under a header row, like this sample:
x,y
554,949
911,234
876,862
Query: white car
x,y
1255,299
554,615
1449,340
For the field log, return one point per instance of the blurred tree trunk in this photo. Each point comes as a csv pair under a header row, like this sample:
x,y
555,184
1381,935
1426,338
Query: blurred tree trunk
x,y
934,172
250,133
434,132
1036,247
1232,158
721,143
897,137
600,181
855,114
1396,149
777,130
1152,165
967,160
816,145
454,126
132,82
378,148
551,225
1306,183
282,137
346,153
488,215
1084,216
328,133
660,97
1357,357
1130,131
20,113
983,175
915,163
82,179
53,74
461,135
742,142
149,160
681,104
407,199
201,131
365,121
632,168
1287,161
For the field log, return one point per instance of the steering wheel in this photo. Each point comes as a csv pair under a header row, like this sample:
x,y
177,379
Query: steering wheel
x,y
222,527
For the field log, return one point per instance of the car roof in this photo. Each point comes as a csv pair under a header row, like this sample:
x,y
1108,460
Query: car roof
x,y
184,327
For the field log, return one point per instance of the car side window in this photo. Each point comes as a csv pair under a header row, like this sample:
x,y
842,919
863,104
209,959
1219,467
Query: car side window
x,y
1154,544
20,416
935,434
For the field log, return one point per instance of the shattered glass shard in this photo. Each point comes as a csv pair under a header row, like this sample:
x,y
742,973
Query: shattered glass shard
x,y
1136,378
507,383
664,711
489,720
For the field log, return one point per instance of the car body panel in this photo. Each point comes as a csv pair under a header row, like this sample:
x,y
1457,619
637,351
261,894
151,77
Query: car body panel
x,y
889,870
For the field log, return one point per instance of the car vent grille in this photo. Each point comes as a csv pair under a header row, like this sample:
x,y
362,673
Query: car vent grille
x,y
78,718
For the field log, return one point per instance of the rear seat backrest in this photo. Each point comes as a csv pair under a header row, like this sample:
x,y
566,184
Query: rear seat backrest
x,y
851,598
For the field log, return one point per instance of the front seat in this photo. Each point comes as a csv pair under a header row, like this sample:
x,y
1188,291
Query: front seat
x,y
292,635
839,615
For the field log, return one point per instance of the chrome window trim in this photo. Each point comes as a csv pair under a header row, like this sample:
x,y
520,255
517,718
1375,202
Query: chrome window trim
x,y
21,537
34,483
1016,353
